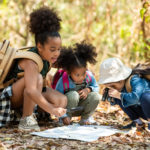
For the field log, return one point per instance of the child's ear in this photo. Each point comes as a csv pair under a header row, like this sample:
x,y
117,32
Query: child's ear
x,y
40,47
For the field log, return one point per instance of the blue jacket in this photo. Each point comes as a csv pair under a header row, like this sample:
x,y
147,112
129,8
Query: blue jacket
x,y
139,86
93,84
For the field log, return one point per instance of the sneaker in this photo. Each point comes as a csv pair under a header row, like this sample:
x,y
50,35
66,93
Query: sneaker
x,y
89,121
129,126
28,123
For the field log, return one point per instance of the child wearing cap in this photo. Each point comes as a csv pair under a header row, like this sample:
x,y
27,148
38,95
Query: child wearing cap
x,y
136,103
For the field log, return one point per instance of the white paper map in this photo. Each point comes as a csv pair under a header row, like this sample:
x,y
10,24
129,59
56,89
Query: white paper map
x,y
87,133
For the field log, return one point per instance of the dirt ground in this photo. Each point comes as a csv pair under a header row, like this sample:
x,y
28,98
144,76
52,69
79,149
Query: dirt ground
x,y
12,139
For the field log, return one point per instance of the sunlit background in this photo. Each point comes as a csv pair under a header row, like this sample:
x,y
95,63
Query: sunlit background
x,y
117,28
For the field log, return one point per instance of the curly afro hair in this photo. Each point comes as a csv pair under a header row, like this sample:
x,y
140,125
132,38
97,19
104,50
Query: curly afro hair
x,y
76,56
44,22
66,59
86,52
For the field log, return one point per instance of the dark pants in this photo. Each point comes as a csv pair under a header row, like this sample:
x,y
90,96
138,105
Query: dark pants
x,y
137,111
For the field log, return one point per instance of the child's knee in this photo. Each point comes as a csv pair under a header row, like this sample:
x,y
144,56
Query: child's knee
x,y
94,97
73,97
145,98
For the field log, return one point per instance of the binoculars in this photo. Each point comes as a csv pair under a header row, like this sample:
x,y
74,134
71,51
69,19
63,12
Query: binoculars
x,y
107,97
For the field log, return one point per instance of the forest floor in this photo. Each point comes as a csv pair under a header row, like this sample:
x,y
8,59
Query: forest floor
x,y
11,138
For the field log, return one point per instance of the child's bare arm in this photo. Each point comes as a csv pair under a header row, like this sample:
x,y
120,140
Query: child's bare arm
x,y
31,80
49,79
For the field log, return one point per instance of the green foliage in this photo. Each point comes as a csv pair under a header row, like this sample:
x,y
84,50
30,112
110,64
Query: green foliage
x,y
113,26
142,12
147,19
125,32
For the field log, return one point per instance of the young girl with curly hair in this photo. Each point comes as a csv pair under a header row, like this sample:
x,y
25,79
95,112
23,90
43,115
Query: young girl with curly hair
x,y
28,91
83,88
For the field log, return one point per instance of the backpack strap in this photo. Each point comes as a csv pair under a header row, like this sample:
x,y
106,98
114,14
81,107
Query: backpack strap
x,y
4,46
147,76
88,78
25,48
56,77
3,49
65,81
30,55
128,85
6,63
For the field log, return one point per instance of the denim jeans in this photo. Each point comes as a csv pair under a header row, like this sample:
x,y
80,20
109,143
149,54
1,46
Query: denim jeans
x,y
136,111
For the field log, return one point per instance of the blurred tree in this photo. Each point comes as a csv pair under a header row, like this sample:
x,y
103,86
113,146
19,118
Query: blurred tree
x,y
145,15
116,28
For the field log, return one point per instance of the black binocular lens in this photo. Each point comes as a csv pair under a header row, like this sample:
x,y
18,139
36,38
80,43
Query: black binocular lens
x,y
105,95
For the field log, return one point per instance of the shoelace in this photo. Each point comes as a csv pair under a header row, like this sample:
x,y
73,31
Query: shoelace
x,y
31,120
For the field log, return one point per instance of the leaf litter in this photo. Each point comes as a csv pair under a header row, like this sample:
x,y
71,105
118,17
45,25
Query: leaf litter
x,y
12,138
